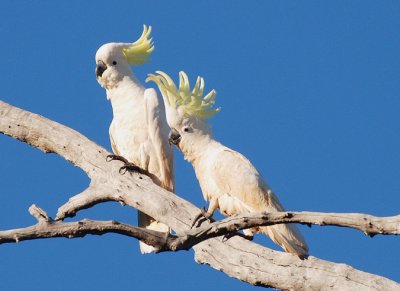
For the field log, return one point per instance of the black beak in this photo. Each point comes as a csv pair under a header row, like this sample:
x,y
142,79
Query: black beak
x,y
100,68
174,137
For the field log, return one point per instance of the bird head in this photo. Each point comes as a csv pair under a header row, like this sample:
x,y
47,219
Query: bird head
x,y
113,60
186,108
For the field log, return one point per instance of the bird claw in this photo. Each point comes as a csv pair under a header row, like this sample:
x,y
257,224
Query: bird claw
x,y
203,215
131,168
248,237
127,167
229,235
110,158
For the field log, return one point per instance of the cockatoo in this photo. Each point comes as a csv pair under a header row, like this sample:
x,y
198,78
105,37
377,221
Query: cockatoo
x,y
139,130
227,179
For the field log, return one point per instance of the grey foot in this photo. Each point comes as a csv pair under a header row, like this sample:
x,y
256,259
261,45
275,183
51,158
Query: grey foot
x,y
110,158
127,167
131,168
229,235
201,217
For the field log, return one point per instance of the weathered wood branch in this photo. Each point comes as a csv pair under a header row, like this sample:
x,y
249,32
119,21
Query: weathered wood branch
x,y
48,228
236,257
370,225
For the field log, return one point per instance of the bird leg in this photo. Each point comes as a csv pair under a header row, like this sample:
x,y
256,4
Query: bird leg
x,y
245,236
131,167
248,234
206,214
127,167
110,158
203,215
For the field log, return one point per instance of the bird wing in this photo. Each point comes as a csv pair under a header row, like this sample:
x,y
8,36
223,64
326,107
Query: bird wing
x,y
158,135
235,176
113,143
242,190
163,155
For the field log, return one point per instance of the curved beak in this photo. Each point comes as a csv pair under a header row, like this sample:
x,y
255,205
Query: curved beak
x,y
100,68
174,137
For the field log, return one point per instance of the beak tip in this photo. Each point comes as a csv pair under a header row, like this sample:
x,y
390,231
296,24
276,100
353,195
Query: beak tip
x,y
174,137
100,68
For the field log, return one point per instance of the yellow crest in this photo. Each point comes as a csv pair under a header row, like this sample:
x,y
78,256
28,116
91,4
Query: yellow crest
x,y
189,101
138,52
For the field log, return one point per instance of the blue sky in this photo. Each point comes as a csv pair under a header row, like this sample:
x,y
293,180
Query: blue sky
x,y
309,92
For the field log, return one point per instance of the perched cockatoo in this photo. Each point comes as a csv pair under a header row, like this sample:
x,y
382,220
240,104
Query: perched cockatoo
x,y
227,179
139,130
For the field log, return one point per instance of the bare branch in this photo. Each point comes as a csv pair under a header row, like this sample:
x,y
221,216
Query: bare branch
x,y
236,257
229,226
48,228
80,229
370,225
39,214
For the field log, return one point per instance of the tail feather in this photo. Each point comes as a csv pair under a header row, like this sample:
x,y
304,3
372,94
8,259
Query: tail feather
x,y
148,222
288,237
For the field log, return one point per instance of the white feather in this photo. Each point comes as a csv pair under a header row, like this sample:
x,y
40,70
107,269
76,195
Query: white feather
x,y
139,129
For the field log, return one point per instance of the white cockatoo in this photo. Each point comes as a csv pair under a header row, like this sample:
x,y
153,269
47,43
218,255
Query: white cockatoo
x,y
227,179
139,130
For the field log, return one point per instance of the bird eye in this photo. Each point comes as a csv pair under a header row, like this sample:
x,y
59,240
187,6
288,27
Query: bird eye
x,y
187,129
114,63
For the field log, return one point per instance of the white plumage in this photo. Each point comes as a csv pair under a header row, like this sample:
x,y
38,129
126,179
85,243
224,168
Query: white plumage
x,y
138,131
228,180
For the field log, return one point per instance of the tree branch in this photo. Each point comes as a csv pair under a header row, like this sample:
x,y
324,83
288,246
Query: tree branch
x,y
370,225
236,257
48,228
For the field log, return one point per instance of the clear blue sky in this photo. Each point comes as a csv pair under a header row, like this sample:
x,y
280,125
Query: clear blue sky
x,y
309,92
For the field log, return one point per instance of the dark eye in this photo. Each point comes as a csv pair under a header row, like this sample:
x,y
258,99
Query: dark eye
x,y
187,129
114,63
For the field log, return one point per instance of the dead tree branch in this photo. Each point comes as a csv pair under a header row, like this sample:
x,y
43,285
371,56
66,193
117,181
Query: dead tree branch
x,y
236,257
47,227
370,225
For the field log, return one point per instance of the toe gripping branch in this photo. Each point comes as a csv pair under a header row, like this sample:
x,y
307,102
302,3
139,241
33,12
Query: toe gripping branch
x,y
204,215
131,167
201,217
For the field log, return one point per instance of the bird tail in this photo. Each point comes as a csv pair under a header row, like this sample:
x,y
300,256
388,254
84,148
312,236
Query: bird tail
x,y
148,222
288,235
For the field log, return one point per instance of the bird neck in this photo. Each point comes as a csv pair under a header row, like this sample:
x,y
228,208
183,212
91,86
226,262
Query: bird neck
x,y
196,148
126,95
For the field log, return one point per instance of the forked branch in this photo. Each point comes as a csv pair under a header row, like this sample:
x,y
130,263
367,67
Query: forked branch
x,y
236,257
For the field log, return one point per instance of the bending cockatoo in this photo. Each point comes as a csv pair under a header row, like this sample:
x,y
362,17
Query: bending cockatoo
x,y
138,131
227,179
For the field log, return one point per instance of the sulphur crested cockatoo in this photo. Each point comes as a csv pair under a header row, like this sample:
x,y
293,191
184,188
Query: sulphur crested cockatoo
x,y
227,179
138,131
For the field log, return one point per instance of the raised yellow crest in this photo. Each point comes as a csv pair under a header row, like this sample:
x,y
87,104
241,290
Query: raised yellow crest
x,y
189,101
138,52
